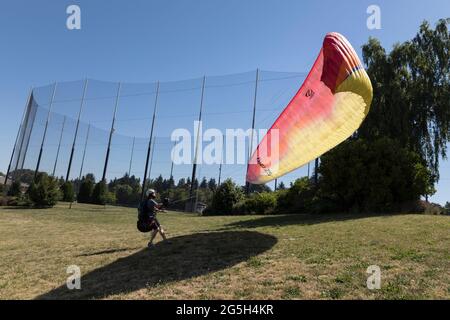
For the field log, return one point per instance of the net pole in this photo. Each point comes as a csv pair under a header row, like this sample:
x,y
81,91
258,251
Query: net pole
x,y
76,129
26,120
171,166
84,152
45,130
59,146
21,126
316,172
194,166
309,166
151,159
108,150
23,149
150,141
247,184
131,158
221,162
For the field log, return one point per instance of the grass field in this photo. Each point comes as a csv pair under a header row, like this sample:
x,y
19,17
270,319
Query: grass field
x,y
233,257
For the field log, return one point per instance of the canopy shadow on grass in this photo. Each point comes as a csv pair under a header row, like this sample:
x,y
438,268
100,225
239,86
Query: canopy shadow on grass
x,y
297,219
188,256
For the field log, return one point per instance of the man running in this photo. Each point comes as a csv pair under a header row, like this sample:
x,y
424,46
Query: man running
x,y
147,216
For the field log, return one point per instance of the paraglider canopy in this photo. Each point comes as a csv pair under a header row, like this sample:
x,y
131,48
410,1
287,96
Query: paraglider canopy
x,y
328,108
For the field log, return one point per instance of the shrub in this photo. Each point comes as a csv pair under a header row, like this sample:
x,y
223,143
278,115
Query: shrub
x,y
85,192
14,189
226,196
68,194
261,203
100,193
11,201
44,191
298,198
111,198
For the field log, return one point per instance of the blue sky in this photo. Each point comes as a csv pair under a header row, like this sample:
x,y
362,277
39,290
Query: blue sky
x,y
145,41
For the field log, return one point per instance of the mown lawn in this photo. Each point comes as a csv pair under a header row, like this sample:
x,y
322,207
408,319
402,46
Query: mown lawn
x,y
233,257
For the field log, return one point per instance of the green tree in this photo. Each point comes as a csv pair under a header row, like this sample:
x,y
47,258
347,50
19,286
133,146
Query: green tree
x,y
44,191
204,183
68,194
212,184
373,176
447,208
124,194
14,189
281,186
261,203
411,101
100,193
225,197
296,199
85,192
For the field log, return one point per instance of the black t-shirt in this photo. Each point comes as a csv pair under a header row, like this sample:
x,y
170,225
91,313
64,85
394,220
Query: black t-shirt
x,y
148,209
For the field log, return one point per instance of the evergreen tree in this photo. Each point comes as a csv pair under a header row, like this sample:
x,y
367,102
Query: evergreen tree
x,y
100,193
85,192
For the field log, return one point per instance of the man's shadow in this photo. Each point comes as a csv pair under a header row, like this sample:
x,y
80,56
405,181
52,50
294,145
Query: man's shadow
x,y
187,256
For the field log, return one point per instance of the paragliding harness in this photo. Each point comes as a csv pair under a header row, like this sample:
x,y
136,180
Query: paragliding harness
x,y
146,222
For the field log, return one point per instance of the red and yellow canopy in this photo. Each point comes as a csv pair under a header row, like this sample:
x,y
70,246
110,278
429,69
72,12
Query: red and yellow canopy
x,y
329,107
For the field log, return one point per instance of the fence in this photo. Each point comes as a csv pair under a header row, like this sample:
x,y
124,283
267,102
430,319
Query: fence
x,y
74,128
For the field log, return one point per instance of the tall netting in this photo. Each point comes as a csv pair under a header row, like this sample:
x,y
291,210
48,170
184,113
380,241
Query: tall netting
x,y
77,128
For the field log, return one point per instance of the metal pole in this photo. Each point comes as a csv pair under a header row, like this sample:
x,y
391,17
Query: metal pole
x,y
131,158
221,162
25,149
150,141
111,132
26,119
220,174
45,130
276,184
309,165
247,184
171,167
316,174
84,152
151,159
17,137
76,130
59,146
194,166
